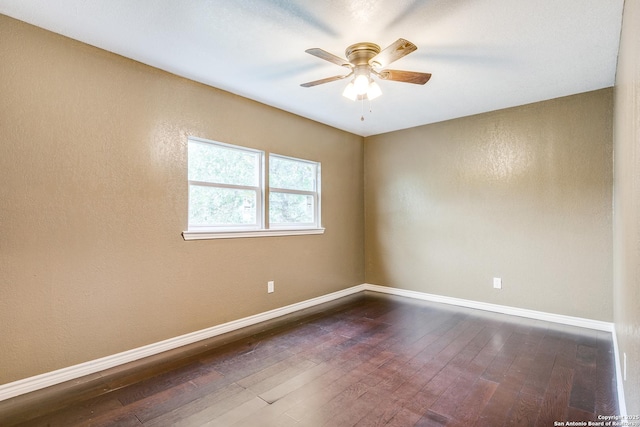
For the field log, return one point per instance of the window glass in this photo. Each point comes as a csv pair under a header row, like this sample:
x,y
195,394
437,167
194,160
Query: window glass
x,y
214,207
291,208
223,165
291,174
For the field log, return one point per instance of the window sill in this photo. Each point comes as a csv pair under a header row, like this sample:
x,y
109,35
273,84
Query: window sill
x,y
206,235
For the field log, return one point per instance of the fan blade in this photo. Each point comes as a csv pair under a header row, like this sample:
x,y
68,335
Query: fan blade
x,y
323,54
327,80
393,52
405,76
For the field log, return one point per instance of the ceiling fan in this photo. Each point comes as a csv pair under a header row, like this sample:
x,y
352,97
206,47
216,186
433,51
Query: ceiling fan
x,y
366,60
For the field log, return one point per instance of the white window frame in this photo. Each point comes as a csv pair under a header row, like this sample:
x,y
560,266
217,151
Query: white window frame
x,y
259,190
315,194
262,228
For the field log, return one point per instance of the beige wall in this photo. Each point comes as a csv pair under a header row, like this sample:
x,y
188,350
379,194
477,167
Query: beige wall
x,y
94,198
627,202
523,194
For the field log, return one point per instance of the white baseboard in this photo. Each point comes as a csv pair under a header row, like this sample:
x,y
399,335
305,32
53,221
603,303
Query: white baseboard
x,y
48,379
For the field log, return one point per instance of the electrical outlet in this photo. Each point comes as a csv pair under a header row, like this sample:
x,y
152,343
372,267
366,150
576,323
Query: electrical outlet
x,y
270,286
497,283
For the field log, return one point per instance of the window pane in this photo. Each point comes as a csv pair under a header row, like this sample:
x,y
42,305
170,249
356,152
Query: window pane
x,y
212,206
291,174
287,208
222,165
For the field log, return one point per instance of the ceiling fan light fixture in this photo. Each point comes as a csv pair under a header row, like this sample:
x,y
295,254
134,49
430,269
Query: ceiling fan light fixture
x,y
372,91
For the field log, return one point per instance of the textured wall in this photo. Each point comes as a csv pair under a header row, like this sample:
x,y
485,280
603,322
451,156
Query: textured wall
x,y
94,198
627,202
523,194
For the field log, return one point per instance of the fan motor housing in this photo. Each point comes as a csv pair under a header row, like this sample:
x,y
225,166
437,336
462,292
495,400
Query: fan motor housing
x,y
361,53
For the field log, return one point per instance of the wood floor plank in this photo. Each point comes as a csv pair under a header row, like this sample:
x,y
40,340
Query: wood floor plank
x,y
574,414
465,358
524,412
170,400
381,409
497,409
76,415
539,374
501,363
238,413
325,412
555,402
291,385
481,392
108,420
432,419
583,390
207,409
275,375
343,391
366,404
306,387
273,414
436,352
451,400
164,381
431,392
404,417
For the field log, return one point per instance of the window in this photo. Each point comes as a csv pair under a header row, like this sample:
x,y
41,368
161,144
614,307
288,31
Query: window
x,y
228,188
293,192
225,186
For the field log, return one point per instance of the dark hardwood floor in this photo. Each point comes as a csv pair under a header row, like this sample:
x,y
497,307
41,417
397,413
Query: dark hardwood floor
x,y
370,360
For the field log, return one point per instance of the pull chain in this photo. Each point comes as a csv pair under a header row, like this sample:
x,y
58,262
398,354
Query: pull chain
x,y
362,108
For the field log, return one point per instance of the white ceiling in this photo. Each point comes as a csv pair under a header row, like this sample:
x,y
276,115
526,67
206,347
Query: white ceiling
x,y
484,54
